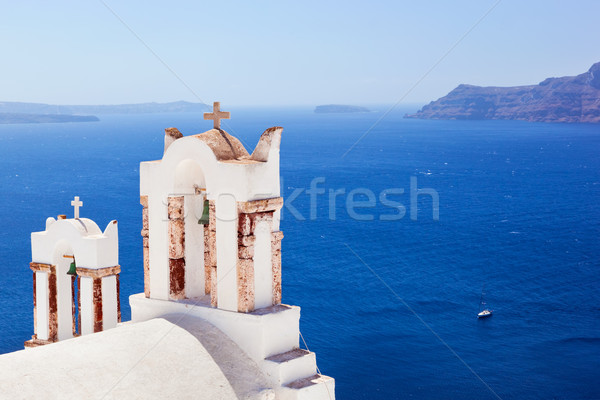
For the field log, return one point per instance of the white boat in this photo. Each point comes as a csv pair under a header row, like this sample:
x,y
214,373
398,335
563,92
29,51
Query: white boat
x,y
486,312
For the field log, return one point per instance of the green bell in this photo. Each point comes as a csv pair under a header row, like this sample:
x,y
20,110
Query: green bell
x,y
204,218
72,268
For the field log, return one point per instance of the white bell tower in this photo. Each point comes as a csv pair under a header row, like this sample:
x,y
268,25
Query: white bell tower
x,y
74,254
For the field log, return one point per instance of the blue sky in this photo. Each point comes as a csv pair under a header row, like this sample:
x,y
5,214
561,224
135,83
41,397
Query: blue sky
x,y
286,53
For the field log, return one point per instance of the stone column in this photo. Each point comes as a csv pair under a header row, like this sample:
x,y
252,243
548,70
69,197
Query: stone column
x,y
276,263
97,304
98,298
49,319
176,226
210,254
250,214
146,235
73,305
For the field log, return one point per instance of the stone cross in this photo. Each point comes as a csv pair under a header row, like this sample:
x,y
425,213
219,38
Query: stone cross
x,y
217,115
76,203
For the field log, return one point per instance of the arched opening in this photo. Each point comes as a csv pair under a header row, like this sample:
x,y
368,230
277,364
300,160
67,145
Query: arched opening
x,y
187,232
67,312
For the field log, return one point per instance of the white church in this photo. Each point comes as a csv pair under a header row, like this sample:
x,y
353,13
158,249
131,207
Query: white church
x,y
210,324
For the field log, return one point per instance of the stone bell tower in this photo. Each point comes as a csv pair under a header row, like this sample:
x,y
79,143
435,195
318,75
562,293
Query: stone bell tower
x,y
211,220
69,256
212,250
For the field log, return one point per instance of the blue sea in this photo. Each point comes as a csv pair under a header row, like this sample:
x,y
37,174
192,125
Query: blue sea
x,y
389,306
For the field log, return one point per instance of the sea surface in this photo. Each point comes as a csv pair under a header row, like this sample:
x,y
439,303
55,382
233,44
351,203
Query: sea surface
x,y
389,306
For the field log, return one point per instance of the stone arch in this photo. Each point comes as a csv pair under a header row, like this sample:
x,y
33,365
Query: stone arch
x,y
189,265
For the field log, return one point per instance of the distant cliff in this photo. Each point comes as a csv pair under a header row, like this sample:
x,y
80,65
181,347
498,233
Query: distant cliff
x,y
23,118
566,99
339,108
141,108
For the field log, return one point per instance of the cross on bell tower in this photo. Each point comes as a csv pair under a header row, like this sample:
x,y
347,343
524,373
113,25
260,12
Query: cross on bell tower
x,y
217,115
76,204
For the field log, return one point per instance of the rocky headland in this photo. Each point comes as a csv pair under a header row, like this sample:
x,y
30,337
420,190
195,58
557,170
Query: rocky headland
x,y
565,99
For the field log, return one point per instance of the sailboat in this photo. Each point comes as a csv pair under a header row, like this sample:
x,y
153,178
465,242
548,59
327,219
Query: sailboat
x,y
483,310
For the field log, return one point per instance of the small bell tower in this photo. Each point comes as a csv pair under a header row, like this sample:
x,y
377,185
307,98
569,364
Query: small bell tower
x,y
75,278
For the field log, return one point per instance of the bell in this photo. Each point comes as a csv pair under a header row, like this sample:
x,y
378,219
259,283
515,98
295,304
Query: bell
x,y
204,218
72,269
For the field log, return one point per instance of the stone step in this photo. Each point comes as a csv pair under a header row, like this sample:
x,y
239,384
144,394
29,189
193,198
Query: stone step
x,y
315,387
290,366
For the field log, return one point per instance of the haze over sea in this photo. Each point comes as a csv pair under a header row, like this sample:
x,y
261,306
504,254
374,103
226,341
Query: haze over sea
x,y
519,212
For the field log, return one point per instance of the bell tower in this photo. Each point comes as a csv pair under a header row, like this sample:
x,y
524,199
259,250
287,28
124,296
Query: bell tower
x,y
212,250
211,220
75,278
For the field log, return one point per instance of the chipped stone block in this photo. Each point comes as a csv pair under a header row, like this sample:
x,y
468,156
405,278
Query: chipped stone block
x,y
145,219
118,300
207,278
245,224
210,249
146,272
276,242
144,201
246,240
245,280
175,207
177,278
277,235
42,267
212,216
52,308
97,304
254,206
245,252
176,238
213,286
276,266
145,233
98,273
262,217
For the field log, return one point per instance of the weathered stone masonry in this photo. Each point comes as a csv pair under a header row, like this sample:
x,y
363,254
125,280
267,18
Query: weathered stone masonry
x,y
210,254
250,214
97,297
146,236
176,226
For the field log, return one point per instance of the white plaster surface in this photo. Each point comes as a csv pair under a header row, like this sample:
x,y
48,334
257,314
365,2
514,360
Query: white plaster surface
x,y
63,290
109,302
41,287
86,297
92,248
260,334
179,357
194,246
227,252
263,270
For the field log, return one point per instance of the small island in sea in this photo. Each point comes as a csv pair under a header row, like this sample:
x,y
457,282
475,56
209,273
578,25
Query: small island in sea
x,y
340,108
27,113
24,118
565,99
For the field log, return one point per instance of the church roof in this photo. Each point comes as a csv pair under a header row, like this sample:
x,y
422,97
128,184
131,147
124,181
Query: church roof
x,y
178,356
225,146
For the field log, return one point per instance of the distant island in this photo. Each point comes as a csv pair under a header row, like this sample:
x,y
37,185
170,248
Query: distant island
x,y
339,108
566,99
23,113
140,108
23,118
